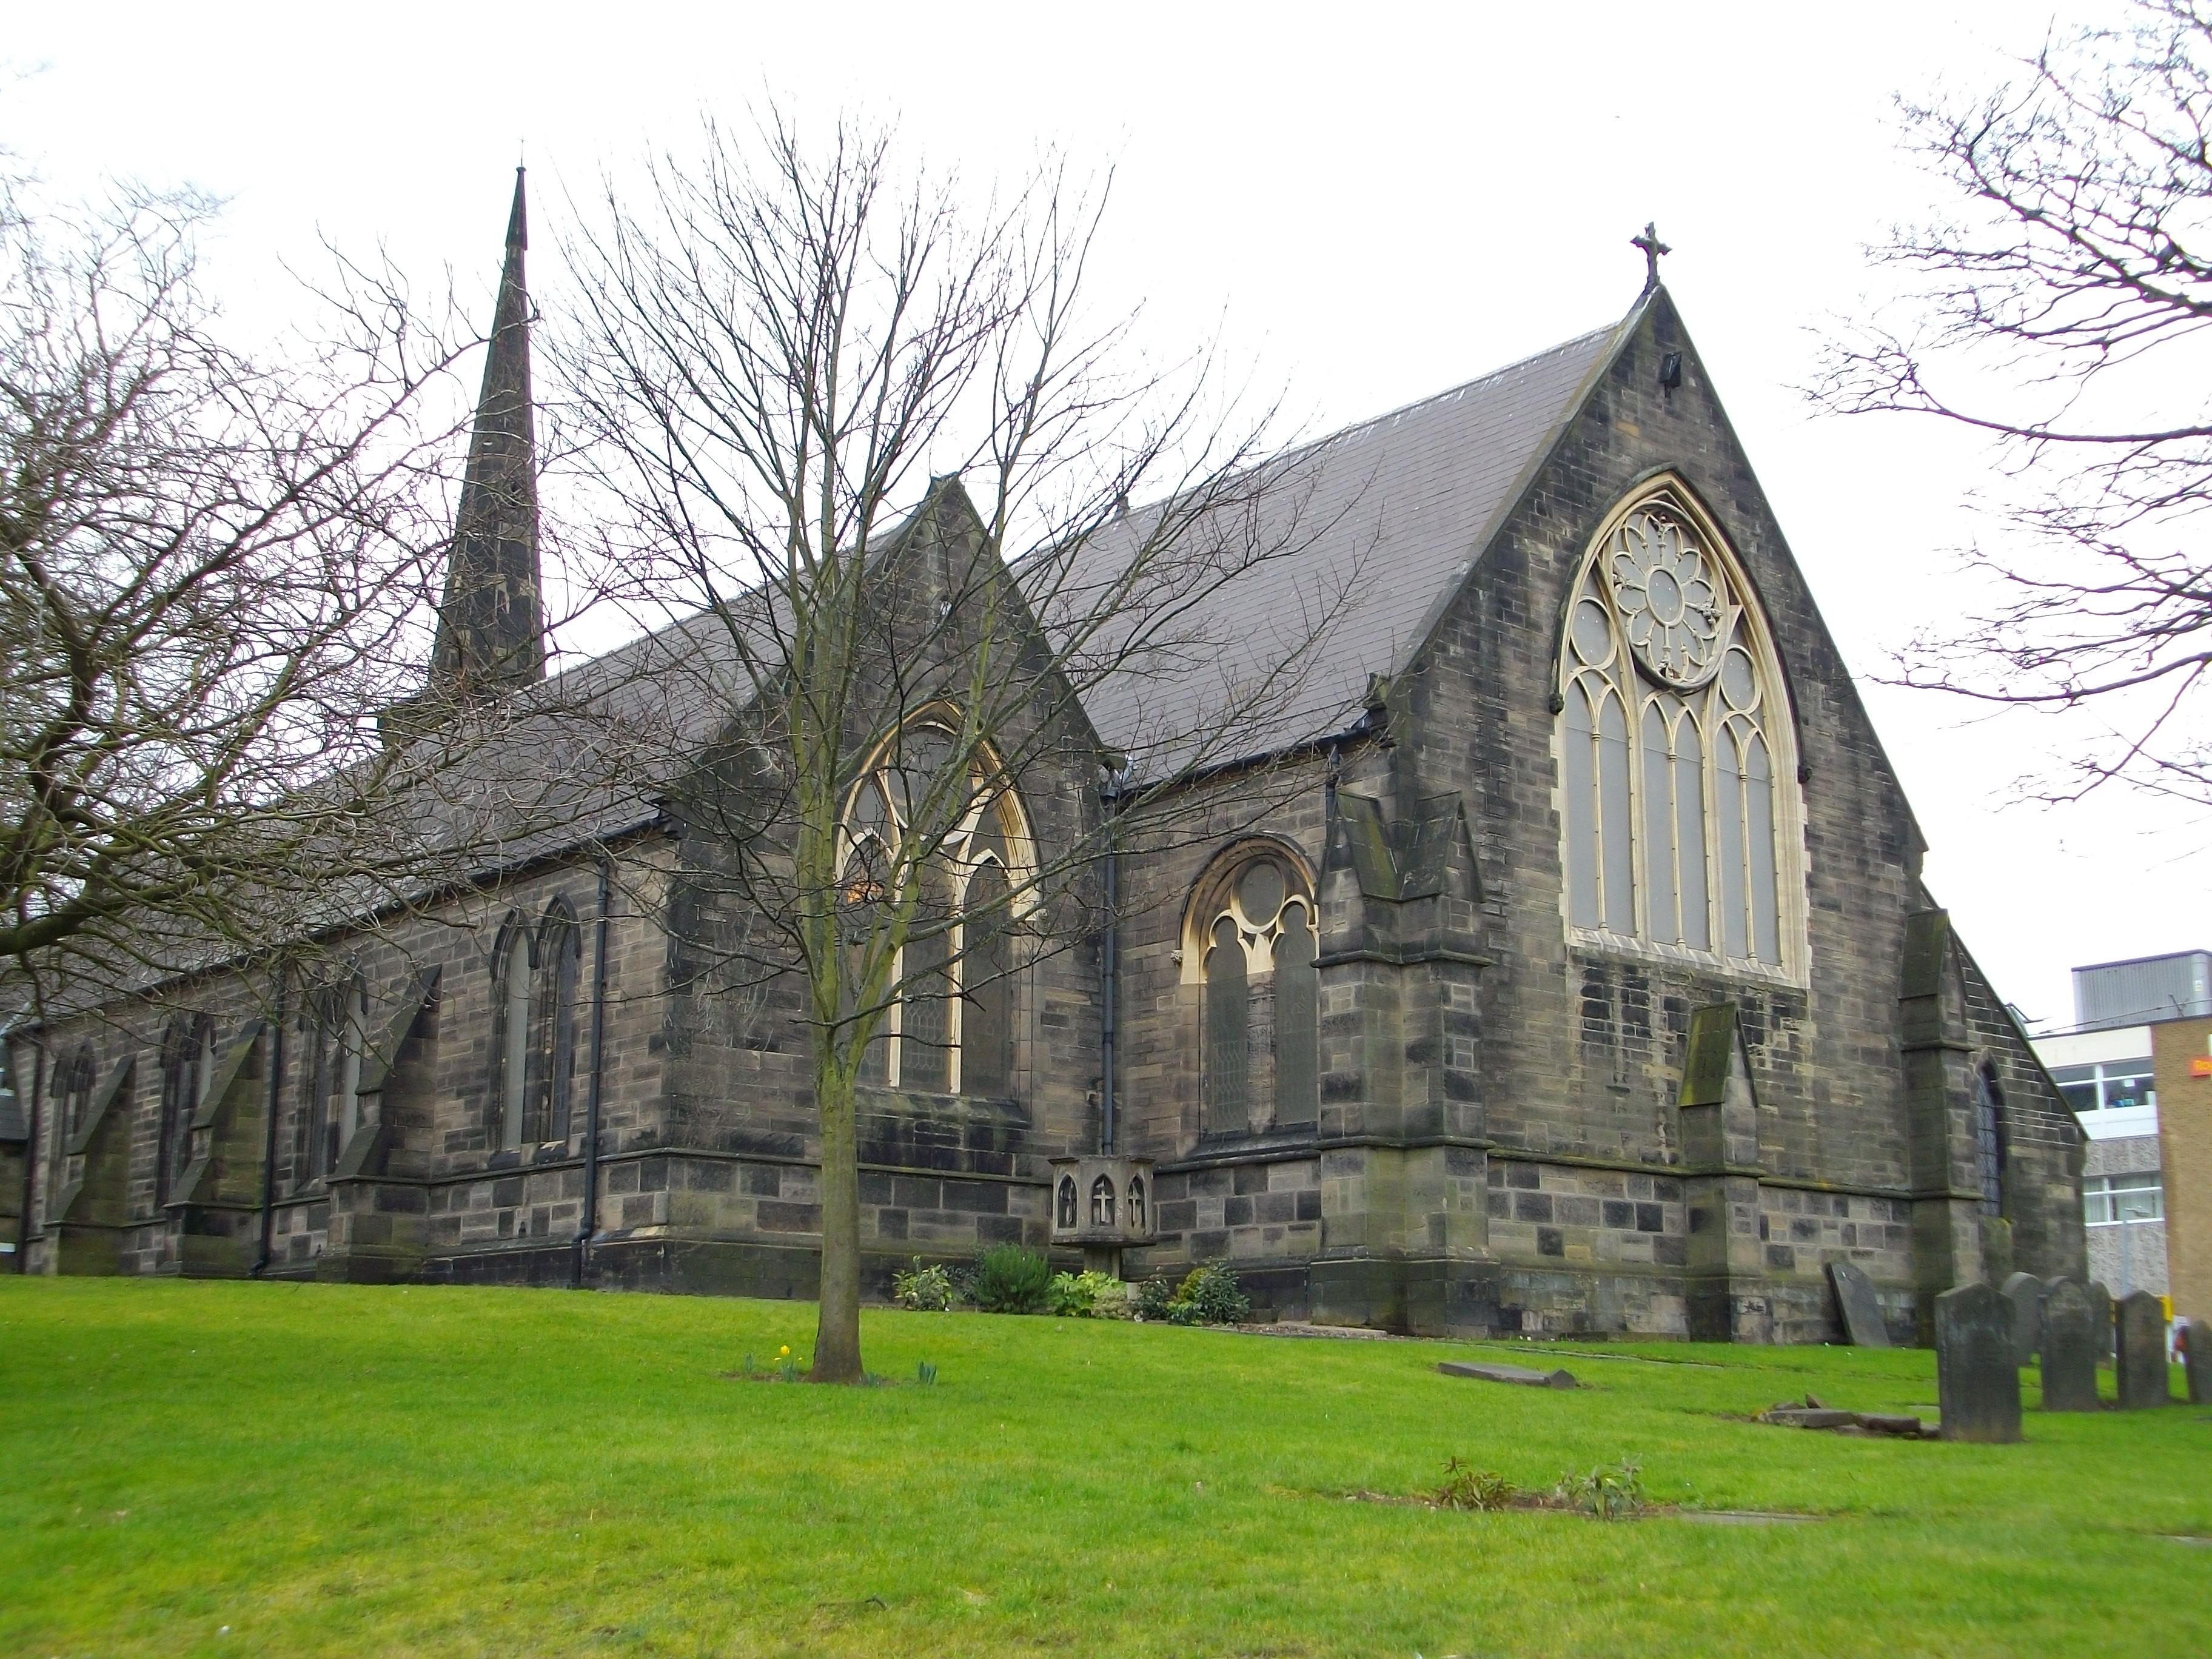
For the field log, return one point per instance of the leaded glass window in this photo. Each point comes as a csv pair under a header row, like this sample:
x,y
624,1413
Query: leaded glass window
x,y
951,1026
553,1043
187,1072
515,982
1254,949
1989,1140
1671,721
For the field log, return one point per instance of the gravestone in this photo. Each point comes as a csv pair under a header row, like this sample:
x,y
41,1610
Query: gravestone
x,y
2140,1325
2197,1363
2025,1292
1978,1381
2100,1314
2069,1349
1862,1313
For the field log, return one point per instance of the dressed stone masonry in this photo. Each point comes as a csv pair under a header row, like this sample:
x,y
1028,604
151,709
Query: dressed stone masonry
x,y
1561,964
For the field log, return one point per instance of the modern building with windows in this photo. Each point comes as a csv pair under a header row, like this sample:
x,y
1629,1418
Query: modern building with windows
x,y
2104,1066
1562,963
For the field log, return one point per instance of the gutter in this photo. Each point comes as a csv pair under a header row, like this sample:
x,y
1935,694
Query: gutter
x,y
588,1223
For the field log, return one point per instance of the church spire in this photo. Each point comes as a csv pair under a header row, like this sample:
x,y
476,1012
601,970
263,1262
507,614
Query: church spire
x,y
491,625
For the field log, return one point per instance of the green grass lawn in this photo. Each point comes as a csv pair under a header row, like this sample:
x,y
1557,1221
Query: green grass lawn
x,y
333,1470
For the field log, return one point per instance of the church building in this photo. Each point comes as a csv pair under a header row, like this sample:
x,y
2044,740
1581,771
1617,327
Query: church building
x,y
1573,973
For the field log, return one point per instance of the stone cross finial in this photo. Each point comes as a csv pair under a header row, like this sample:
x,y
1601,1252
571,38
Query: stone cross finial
x,y
1653,248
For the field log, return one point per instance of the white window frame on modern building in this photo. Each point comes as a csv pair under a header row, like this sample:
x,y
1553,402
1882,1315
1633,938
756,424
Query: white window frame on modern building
x,y
2101,1076
2117,1201
1673,728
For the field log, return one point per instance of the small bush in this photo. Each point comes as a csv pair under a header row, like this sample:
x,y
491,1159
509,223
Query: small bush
x,y
1088,1296
1208,1296
1152,1298
1011,1280
925,1290
1607,1494
1469,1488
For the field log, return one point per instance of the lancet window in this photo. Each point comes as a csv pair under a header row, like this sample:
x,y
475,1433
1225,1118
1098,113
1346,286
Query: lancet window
x,y
537,970
950,1025
73,1087
187,1072
1253,940
1676,765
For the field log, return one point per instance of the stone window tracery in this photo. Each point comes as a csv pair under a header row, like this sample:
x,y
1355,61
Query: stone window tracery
x,y
1251,942
1676,765
950,1028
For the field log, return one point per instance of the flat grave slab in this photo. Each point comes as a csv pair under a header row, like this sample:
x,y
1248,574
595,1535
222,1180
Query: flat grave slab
x,y
1521,1374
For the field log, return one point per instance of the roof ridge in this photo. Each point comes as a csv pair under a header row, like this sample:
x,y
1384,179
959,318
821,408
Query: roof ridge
x,y
1450,393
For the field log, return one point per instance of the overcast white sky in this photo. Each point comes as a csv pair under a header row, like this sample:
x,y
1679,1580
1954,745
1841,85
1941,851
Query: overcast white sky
x,y
1368,205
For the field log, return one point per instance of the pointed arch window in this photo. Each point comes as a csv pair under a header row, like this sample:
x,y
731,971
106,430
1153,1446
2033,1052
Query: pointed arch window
x,y
1990,1138
73,1087
950,1025
1251,942
516,982
187,1072
559,959
1677,766
345,1038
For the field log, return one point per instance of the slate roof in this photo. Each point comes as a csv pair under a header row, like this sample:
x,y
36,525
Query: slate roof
x,y
1380,524
1391,516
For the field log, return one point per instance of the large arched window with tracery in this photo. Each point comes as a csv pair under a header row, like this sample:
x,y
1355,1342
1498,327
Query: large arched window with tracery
x,y
951,1027
1677,764
1250,943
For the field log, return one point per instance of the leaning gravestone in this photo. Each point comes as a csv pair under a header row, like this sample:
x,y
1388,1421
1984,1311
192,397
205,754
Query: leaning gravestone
x,y
1862,1313
1978,1383
2069,1349
2197,1363
2101,1304
2025,1292
2141,1359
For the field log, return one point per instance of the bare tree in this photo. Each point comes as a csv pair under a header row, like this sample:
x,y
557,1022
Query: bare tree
x,y
859,438
2062,312
215,572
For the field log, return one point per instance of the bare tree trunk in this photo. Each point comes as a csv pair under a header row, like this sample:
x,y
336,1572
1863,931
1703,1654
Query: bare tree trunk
x,y
837,1329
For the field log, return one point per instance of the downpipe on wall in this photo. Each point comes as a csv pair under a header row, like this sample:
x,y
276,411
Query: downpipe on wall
x,y
588,1223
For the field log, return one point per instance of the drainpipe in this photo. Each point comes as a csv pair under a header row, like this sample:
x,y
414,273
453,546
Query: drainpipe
x,y
1110,960
30,1146
269,1151
589,1222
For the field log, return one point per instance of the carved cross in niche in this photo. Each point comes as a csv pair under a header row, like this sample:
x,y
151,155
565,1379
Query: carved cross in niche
x,y
1653,248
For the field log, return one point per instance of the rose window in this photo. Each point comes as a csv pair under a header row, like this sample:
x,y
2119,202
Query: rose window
x,y
1671,605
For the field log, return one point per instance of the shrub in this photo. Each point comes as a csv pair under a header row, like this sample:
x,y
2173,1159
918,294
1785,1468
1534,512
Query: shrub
x,y
1607,1494
1468,1488
1010,1279
1153,1297
1087,1295
925,1290
1208,1296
